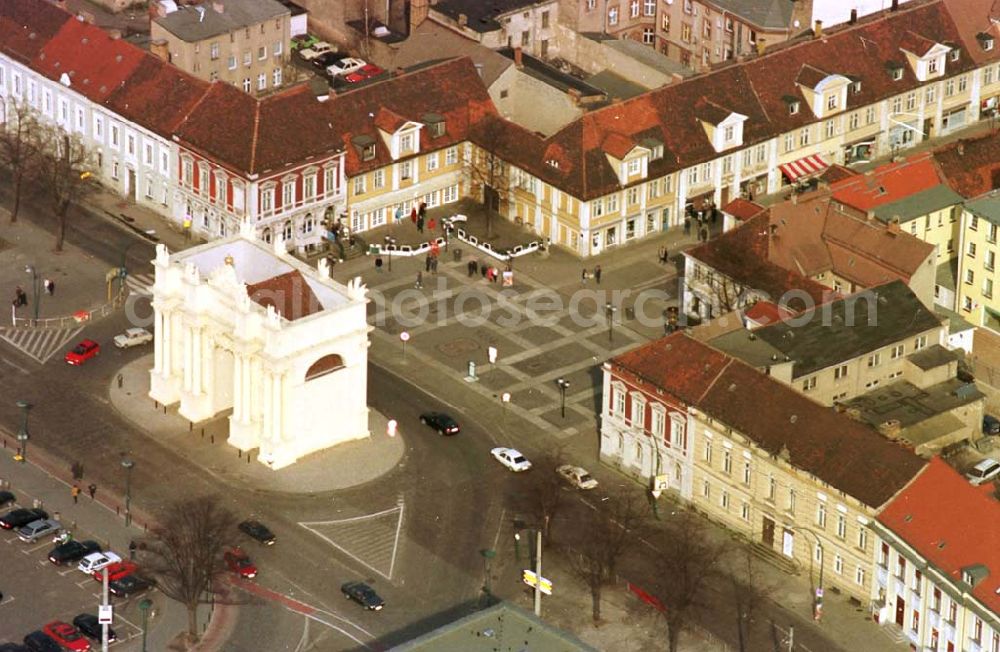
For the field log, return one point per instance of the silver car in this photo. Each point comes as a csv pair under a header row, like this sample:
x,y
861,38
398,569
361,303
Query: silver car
x,y
37,529
984,471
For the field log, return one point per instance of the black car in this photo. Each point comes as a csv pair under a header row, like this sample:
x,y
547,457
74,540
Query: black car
x,y
441,422
88,625
257,530
72,551
326,59
991,425
13,647
6,498
39,641
21,517
123,587
363,595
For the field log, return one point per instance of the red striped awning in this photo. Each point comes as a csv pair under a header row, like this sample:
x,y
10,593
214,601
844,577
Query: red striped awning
x,y
804,167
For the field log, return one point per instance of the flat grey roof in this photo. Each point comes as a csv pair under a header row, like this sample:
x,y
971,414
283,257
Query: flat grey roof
x,y
910,405
772,14
615,85
956,323
986,207
922,203
932,357
197,23
946,274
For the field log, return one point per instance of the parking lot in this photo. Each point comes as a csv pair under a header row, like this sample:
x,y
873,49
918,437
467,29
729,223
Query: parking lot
x,y
36,592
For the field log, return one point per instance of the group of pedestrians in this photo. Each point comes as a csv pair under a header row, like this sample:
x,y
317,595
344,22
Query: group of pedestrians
x,y
596,275
74,491
702,217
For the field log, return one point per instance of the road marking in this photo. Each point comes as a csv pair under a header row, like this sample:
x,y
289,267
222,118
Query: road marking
x,y
140,284
38,547
313,525
496,539
20,369
40,344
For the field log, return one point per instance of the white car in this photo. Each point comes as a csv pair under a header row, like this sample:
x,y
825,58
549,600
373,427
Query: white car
x,y
345,66
95,561
576,476
133,337
984,471
511,458
321,47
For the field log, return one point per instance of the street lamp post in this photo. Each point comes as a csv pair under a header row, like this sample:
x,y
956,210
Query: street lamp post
x,y
128,465
563,386
144,608
818,593
390,242
610,311
35,286
22,434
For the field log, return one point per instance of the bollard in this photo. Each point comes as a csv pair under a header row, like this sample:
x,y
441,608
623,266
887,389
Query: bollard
x,y
118,510
248,457
202,433
190,426
239,453
213,437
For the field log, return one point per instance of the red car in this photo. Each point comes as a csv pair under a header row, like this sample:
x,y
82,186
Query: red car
x,y
239,562
82,352
365,72
67,636
117,570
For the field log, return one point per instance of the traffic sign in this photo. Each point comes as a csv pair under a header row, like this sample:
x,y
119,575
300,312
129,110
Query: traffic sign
x,y
532,579
105,614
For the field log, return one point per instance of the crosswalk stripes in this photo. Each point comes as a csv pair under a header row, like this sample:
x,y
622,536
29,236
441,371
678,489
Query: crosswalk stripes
x,y
39,343
140,284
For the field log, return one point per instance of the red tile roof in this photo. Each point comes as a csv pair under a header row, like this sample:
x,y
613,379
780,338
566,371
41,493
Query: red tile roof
x,y
157,96
25,27
951,524
742,209
971,166
763,313
842,452
888,183
289,293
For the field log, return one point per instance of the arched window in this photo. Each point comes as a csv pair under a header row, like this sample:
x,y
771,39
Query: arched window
x,y
287,231
621,444
638,453
266,235
325,365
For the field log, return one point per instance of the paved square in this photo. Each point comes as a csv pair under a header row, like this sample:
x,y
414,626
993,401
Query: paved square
x,y
553,359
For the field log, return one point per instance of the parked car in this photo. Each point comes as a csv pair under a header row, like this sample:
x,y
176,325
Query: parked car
x,y
239,562
511,458
363,73
133,337
13,647
90,627
345,65
984,471
6,498
72,550
576,476
96,561
82,352
441,422
991,425
39,641
67,636
37,529
129,585
316,49
20,517
322,61
258,531
117,570
363,595
303,41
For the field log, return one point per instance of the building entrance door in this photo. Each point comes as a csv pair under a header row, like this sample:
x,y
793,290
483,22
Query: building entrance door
x,y
131,193
767,535
900,610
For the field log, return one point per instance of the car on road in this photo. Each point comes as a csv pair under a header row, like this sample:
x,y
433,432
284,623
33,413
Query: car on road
x,y
133,337
363,595
96,561
983,471
66,636
72,550
257,531
129,585
117,570
511,458
39,641
6,498
37,529
90,627
20,517
240,563
363,73
316,49
576,476
441,422
345,65
82,352
991,425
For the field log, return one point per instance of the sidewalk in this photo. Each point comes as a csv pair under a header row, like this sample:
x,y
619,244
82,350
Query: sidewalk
x,y
204,444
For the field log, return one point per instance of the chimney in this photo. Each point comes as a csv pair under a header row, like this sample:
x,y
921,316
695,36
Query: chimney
x,y
218,6
818,29
761,44
890,428
463,20
854,17
518,60
893,226
114,34
961,148
895,5
160,49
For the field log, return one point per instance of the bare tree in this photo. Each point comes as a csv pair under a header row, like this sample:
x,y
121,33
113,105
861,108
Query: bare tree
x,y
184,554
609,527
688,562
488,172
544,492
64,172
749,591
20,148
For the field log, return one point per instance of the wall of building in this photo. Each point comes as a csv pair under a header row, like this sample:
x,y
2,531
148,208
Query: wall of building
x,y
978,284
531,103
593,56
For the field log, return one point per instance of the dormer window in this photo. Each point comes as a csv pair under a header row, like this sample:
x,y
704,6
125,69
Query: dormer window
x,y
895,71
657,152
552,163
831,101
365,146
634,167
985,41
435,124
368,152
729,133
932,66
954,54
856,87
793,108
406,143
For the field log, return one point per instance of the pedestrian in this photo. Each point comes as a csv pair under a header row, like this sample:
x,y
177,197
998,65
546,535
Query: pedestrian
x,y
483,269
703,234
660,255
423,209
496,274
597,274
75,492
420,224
434,264
420,280
427,263
714,213
131,549
471,268
378,264
413,214
431,225
398,215
687,225
92,490
52,287
583,277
